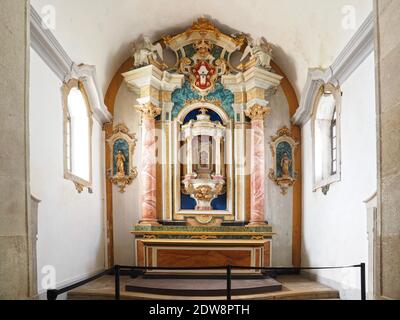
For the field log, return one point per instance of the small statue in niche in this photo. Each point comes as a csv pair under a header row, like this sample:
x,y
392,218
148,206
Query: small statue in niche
x,y
286,162
120,159
121,170
283,146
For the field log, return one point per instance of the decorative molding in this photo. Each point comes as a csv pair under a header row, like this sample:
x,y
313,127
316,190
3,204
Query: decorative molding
x,y
47,47
57,59
87,74
351,57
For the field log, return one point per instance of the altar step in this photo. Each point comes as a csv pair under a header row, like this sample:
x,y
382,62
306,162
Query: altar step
x,y
186,287
294,287
210,276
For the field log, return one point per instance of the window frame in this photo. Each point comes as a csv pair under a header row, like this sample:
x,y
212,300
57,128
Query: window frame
x,y
332,177
333,137
80,183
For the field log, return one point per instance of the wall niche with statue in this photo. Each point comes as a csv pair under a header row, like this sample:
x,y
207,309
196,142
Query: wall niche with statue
x,y
122,144
283,146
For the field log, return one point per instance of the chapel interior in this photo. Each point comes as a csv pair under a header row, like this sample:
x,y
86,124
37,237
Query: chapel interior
x,y
179,136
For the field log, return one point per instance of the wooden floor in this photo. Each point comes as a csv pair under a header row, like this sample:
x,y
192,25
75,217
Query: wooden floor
x,y
294,288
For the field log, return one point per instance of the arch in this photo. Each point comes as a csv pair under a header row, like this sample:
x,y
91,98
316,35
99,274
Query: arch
x,y
218,110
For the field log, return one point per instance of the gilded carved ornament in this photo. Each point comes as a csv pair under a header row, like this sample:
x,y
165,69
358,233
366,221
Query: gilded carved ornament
x,y
79,187
204,27
122,172
149,111
257,112
283,146
215,102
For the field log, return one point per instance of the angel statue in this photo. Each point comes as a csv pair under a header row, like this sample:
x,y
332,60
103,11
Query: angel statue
x,y
261,51
143,50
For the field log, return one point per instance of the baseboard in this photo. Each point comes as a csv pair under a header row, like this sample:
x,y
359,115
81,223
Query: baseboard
x,y
42,294
346,292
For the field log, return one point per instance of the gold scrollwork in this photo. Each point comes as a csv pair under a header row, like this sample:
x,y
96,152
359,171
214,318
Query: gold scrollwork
x,y
149,111
149,237
79,187
257,238
204,237
257,112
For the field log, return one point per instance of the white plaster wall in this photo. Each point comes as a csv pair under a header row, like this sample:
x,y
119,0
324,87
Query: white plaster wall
x,y
126,206
71,233
278,208
335,226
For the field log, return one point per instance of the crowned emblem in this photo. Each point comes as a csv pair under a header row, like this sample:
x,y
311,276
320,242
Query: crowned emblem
x,y
203,68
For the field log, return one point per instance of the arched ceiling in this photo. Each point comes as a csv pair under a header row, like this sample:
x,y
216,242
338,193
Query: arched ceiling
x,y
305,33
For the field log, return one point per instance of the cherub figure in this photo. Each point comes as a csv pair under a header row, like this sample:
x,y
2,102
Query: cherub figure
x,y
261,51
143,50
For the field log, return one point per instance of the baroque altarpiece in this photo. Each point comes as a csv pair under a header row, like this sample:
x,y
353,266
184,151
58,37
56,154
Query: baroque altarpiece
x,y
202,149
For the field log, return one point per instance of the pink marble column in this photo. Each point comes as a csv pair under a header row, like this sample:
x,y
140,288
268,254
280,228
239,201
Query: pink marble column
x,y
148,198
257,113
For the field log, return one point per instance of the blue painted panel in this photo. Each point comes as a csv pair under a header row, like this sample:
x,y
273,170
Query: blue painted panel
x,y
226,97
180,96
186,93
187,203
193,115
219,203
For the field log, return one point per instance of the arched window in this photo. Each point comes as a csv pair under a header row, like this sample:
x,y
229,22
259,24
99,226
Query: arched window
x,y
77,135
326,137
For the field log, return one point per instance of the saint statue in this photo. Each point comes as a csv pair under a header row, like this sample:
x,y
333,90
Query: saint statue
x,y
285,166
120,159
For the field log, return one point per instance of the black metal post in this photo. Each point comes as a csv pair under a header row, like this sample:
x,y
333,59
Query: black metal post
x,y
363,282
229,283
117,271
52,295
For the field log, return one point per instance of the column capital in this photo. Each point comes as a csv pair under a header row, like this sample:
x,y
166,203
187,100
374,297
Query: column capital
x,y
257,112
149,111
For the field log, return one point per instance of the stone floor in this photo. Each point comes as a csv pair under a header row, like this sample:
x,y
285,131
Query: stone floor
x,y
294,288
